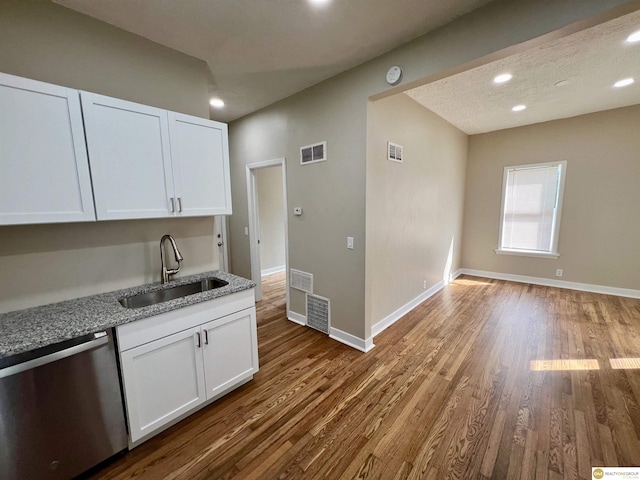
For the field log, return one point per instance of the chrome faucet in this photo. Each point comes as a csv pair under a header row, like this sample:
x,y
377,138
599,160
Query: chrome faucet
x,y
166,272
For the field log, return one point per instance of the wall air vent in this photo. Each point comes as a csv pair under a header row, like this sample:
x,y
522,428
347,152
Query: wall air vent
x,y
318,313
394,152
313,153
302,281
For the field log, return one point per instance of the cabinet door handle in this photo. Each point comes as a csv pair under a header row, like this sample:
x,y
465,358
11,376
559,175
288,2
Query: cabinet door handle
x,y
199,341
180,204
206,337
173,208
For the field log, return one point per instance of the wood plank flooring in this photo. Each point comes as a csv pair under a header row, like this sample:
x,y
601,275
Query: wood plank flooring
x,y
447,393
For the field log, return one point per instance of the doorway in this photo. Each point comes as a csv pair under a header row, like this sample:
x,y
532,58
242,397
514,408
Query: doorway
x,y
262,202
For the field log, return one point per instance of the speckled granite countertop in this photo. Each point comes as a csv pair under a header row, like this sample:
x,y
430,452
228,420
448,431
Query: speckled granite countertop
x,y
25,330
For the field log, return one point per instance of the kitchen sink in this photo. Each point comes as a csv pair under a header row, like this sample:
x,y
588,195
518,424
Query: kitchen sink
x,y
171,293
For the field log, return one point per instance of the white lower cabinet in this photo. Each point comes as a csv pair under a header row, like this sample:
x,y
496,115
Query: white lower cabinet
x,y
163,380
167,378
229,350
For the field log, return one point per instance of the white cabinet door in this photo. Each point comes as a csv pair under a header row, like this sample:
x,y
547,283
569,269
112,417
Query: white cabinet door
x,y
230,350
200,157
130,158
162,380
44,173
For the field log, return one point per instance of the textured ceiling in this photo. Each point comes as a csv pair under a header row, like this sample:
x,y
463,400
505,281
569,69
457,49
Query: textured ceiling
x,y
260,51
590,60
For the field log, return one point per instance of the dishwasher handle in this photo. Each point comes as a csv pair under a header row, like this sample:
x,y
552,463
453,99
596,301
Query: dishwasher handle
x,y
99,339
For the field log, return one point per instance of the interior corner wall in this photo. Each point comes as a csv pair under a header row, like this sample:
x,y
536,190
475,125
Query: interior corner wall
x,y
332,193
414,208
599,228
271,217
48,263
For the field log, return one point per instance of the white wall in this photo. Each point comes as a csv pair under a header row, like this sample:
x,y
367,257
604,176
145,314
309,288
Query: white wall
x,y
414,208
47,263
271,217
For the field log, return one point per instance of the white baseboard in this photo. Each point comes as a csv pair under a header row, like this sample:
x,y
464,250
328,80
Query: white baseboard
x,y
339,335
351,340
456,274
393,317
271,271
548,282
297,318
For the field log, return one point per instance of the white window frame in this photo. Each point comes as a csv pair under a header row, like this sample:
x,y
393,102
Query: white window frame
x,y
556,223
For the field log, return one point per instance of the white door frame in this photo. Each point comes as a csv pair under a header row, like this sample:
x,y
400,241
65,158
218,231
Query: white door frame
x,y
220,228
256,274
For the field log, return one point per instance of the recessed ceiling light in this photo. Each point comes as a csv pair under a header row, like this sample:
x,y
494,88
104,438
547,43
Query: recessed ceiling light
x,y
319,2
624,82
502,78
519,108
216,103
634,37
562,83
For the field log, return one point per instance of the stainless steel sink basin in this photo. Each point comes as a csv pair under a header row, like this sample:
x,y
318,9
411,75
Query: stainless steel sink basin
x,y
171,293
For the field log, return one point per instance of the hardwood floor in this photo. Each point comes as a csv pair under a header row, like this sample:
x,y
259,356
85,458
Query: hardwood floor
x,y
449,391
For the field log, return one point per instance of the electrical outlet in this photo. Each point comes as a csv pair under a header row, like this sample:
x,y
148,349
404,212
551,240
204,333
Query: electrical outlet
x,y
558,272
246,231
424,285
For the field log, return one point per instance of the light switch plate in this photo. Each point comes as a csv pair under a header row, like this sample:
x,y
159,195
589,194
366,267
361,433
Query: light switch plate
x,y
350,243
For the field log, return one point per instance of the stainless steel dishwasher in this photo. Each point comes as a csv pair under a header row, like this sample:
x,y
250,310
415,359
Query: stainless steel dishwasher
x,y
61,409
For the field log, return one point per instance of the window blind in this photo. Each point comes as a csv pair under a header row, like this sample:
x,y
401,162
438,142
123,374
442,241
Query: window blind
x,y
530,208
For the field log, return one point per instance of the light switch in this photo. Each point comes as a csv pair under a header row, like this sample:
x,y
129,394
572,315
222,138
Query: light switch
x,y
350,243
246,231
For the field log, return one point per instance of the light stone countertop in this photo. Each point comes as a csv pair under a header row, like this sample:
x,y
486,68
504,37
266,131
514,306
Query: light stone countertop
x,y
24,330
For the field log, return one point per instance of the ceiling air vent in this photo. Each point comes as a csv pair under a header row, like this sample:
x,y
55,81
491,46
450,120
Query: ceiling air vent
x,y
313,153
318,313
302,280
394,152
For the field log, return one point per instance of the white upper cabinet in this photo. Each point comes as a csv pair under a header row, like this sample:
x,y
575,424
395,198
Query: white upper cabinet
x,y
200,155
147,162
44,173
130,158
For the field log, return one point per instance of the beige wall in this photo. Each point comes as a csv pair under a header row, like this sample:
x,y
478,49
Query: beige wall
x,y
599,231
47,42
46,263
414,208
271,217
332,193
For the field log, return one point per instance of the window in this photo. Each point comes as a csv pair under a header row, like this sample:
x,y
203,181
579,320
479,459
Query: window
x,y
531,204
